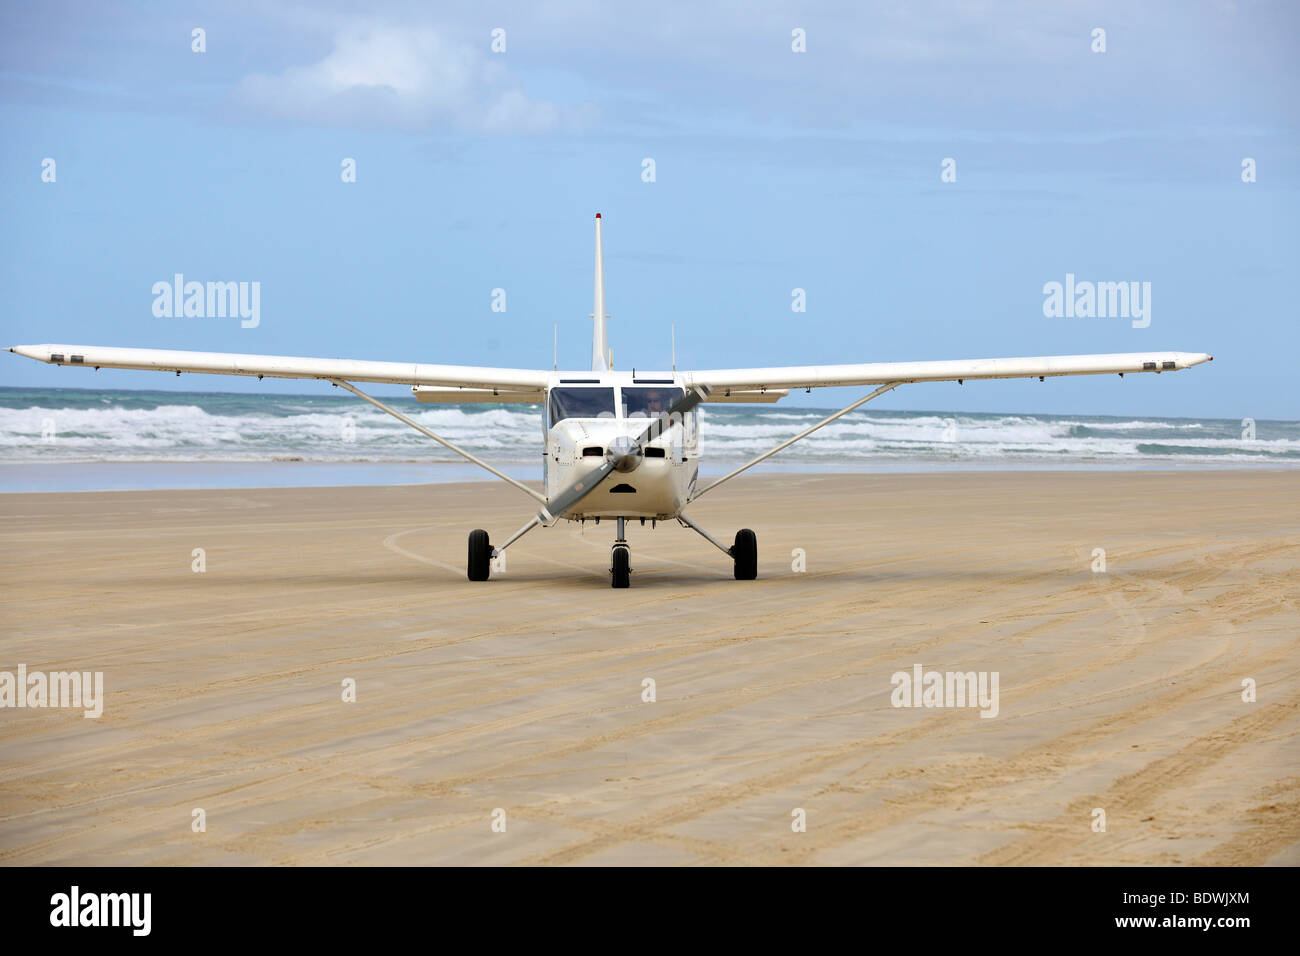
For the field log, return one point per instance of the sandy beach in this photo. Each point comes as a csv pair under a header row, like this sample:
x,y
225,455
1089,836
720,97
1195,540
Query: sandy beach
x,y
521,701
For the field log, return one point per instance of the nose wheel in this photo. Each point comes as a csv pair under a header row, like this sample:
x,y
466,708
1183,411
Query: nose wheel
x,y
619,572
619,568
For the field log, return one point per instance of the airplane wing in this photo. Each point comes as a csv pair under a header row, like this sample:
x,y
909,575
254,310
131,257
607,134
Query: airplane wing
x,y
510,380
882,373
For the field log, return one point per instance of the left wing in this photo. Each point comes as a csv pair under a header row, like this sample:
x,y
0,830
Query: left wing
x,y
882,373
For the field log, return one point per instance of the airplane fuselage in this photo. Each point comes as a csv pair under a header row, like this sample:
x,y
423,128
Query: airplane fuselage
x,y
587,418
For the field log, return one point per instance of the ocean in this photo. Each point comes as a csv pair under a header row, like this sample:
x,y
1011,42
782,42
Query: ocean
x,y
146,439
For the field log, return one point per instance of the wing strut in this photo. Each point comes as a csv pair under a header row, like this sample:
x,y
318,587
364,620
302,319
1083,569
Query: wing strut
x,y
790,441
442,441
686,522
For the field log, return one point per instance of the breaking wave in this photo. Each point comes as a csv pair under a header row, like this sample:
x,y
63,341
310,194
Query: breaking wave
x,y
66,425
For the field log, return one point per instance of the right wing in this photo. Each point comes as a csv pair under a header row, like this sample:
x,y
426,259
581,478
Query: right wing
x,y
512,380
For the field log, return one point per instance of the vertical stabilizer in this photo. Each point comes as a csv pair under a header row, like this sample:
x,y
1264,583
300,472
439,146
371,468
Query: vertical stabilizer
x,y
599,339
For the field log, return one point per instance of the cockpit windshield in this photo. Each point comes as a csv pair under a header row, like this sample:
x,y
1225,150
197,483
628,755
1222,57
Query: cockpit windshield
x,y
649,402
581,403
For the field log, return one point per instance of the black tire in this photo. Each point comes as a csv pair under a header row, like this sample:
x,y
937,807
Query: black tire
x,y
480,555
745,554
619,573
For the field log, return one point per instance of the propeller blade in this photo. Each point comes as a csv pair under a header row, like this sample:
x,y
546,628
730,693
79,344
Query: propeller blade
x,y
571,495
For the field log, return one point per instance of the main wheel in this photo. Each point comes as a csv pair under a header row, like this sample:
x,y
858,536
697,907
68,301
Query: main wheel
x,y
619,571
480,555
745,554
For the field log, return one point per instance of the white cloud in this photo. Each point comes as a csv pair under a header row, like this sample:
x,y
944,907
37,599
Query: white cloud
x,y
379,75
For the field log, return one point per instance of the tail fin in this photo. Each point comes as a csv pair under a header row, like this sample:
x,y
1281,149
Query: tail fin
x,y
599,339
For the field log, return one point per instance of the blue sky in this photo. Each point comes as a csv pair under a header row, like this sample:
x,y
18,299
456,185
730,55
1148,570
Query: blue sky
x,y
774,170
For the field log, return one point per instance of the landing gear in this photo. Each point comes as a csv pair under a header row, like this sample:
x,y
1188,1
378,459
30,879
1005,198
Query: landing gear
x,y
745,554
480,555
619,570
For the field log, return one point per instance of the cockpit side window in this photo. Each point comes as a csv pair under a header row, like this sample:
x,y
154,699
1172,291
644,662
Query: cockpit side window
x,y
581,403
650,401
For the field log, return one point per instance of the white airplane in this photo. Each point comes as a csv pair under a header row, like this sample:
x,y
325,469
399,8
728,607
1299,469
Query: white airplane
x,y
618,444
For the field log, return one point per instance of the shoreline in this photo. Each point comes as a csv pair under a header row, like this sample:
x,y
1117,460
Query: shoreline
x,y
102,476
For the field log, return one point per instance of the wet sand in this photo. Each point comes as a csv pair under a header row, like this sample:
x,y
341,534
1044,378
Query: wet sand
x,y
1118,691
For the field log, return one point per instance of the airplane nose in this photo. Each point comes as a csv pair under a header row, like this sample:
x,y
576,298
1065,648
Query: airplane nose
x,y
624,454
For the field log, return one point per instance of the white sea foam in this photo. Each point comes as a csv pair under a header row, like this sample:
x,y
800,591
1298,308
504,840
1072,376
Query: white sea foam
x,y
53,426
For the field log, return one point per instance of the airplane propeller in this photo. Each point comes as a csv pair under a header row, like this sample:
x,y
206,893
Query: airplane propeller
x,y
625,454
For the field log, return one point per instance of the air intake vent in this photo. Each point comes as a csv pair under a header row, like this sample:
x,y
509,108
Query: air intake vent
x,y
623,489
654,453
592,451
1148,366
1167,365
